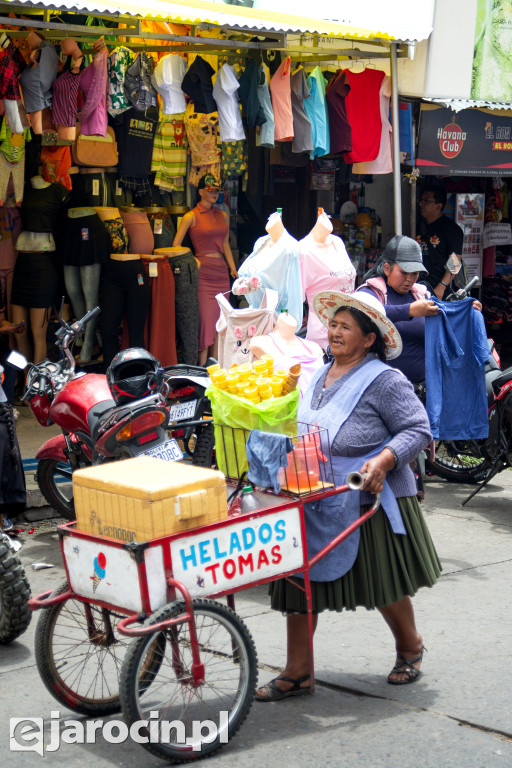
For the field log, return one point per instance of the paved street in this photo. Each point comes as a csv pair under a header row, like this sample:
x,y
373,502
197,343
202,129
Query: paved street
x,y
457,714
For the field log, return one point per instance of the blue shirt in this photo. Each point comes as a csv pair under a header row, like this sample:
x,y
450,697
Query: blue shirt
x,y
456,351
412,331
316,110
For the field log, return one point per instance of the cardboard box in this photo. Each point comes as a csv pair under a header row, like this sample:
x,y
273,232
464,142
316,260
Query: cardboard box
x,y
146,498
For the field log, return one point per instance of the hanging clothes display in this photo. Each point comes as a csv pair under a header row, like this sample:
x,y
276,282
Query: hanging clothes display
x,y
302,130
277,264
118,62
228,106
12,162
170,146
56,162
383,163
93,85
186,275
202,133
265,133
140,234
339,127
12,65
197,84
167,79
233,159
316,110
160,333
134,131
282,102
236,328
65,99
363,113
253,112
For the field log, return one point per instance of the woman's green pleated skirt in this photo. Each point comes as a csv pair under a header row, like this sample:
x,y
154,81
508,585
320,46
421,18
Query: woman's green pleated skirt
x,y
388,567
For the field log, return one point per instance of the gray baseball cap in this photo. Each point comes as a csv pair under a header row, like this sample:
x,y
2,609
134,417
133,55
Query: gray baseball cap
x,y
405,252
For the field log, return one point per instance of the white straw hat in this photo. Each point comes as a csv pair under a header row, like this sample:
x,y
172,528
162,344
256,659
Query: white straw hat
x,y
327,303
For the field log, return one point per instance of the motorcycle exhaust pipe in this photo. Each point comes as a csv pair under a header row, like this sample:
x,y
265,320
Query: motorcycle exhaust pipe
x,y
355,481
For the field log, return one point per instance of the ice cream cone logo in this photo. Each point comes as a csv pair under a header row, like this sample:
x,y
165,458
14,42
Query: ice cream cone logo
x,y
100,563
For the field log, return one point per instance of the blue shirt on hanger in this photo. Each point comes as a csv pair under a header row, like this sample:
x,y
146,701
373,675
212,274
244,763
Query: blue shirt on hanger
x,y
456,351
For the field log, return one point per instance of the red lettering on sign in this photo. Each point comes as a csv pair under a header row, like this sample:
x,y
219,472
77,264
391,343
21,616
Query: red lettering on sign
x,y
213,568
262,558
229,569
276,554
245,562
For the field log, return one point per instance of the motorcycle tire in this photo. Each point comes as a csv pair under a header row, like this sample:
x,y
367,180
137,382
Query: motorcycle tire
x,y
204,448
458,467
15,615
48,474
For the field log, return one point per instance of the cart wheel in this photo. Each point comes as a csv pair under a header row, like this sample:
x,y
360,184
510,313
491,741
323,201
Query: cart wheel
x,y
228,653
79,654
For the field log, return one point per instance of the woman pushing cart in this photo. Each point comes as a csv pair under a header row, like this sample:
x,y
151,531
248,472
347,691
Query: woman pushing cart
x,y
193,659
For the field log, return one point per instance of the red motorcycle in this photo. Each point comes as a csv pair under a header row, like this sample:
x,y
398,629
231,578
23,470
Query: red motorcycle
x,y
102,417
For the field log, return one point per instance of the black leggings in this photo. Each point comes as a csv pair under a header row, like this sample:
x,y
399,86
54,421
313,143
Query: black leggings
x,y
184,269
124,291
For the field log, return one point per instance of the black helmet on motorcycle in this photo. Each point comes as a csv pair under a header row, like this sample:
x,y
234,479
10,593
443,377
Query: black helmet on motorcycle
x,y
134,373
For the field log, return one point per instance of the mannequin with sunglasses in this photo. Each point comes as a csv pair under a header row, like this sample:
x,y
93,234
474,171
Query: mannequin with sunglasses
x,y
208,228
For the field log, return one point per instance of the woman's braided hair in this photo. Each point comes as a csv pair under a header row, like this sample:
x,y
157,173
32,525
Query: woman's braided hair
x,y
7,411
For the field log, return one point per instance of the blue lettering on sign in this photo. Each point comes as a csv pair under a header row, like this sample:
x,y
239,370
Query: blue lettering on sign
x,y
203,554
234,543
185,559
265,533
249,537
280,530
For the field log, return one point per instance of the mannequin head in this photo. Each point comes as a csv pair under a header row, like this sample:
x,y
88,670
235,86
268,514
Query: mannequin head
x,y
70,48
209,188
34,40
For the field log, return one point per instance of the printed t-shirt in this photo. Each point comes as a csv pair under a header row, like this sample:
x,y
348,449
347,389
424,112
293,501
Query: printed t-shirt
x,y
169,159
383,163
339,126
438,241
118,62
280,91
135,130
203,138
316,110
323,267
228,106
363,113
302,131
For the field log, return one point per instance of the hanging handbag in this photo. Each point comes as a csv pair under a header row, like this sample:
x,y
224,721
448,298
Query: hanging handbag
x,y
98,151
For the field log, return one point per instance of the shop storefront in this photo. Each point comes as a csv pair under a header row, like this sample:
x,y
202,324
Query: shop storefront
x,y
128,114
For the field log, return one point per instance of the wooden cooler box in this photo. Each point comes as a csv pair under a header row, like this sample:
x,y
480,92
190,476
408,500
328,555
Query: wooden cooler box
x,y
146,498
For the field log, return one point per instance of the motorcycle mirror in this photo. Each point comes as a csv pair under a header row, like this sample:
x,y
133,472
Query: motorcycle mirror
x,y
17,360
454,264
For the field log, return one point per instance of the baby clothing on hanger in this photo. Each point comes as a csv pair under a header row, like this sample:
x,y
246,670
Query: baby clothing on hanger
x,y
236,328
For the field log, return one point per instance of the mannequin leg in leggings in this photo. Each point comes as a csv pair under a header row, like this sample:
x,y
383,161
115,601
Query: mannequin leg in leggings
x,y
37,320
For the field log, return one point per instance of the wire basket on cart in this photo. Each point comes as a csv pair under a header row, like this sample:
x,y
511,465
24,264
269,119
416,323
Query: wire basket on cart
x,y
309,463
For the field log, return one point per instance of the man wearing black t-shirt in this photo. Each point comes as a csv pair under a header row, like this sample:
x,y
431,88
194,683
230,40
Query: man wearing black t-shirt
x,y
439,237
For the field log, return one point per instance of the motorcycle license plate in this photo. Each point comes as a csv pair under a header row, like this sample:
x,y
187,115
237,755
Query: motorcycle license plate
x,y
168,451
182,411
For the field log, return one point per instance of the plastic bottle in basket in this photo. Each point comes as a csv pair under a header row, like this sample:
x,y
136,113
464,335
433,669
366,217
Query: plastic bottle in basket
x,y
303,471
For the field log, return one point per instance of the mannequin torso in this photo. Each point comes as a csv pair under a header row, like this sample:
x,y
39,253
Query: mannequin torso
x,y
36,81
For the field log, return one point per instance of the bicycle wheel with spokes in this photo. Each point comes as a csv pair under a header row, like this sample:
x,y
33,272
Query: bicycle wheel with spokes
x,y
79,654
172,704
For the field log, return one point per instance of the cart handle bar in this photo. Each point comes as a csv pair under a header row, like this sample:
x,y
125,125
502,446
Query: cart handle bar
x,y
45,601
343,535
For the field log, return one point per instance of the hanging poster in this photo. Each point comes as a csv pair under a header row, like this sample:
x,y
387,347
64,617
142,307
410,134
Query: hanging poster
x,y
472,142
470,218
492,64
405,130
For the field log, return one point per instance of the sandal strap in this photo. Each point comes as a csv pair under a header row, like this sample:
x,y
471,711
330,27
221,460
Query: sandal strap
x,y
296,683
406,669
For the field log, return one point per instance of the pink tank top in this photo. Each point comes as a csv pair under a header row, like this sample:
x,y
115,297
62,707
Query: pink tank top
x,y
280,90
209,230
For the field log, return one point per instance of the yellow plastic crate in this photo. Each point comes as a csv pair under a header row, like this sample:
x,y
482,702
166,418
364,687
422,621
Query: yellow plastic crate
x,y
146,498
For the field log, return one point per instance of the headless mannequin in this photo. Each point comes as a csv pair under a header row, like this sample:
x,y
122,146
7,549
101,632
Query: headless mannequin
x,y
322,229
41,119
275,226
284,329
70,48
36,318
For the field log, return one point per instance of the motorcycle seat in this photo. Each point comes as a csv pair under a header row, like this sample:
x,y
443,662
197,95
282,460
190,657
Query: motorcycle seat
x,y
502,379
95,417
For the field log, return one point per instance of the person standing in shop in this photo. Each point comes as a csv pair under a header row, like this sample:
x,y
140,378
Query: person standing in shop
x,y
208,227
439,237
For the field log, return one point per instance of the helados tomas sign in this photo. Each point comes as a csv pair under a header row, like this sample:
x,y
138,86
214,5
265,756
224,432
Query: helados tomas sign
x,y
472,142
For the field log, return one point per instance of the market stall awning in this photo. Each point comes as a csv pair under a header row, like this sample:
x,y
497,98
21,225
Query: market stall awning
x,y
405,20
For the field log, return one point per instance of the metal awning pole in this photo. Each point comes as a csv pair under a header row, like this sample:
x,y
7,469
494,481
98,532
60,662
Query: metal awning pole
x,y
397,193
